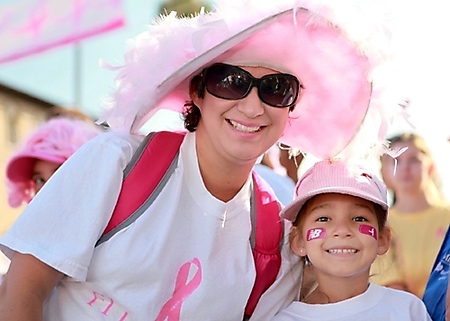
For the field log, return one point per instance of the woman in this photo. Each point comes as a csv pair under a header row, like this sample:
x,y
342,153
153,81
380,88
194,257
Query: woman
x,y
188,255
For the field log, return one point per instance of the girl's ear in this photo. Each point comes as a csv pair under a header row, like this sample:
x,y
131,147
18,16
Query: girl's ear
x,y
297,242
384,241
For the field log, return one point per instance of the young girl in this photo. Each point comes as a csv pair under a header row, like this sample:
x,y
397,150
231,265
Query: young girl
x,y
339,219
418,218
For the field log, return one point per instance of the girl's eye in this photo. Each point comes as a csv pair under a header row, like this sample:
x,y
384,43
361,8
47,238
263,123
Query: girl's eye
x,y
360,219
322,219
39,181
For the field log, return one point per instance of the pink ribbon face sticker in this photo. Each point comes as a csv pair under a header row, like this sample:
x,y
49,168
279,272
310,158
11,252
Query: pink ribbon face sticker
x,y
368,230
316,233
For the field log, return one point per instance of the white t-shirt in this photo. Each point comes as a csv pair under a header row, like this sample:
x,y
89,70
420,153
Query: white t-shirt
x,y
377,303
187,257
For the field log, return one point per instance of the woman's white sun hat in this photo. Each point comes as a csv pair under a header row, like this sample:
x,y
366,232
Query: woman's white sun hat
x,y
337,49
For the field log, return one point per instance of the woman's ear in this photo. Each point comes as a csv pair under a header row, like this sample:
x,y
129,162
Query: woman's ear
x,y
197,90
197,100
384,241
297,242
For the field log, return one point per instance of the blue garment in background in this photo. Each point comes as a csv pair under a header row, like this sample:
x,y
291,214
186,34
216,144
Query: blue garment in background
x,y
436,290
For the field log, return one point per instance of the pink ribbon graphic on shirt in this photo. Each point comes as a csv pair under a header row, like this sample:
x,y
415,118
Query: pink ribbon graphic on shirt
x,y
368,230
183,289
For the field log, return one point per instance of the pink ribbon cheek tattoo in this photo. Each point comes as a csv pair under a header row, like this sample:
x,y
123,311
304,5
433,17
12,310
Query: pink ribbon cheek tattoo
x,y
368,230
183,289
316,233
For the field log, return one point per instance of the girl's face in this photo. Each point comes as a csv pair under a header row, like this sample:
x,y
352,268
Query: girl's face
x,y
42,171
240,130
340,235
412,172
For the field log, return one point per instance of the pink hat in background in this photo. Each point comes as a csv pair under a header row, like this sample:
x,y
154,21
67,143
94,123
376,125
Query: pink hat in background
x,y
336,176
55,141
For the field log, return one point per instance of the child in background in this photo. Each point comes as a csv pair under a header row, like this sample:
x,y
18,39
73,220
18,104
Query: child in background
x,y
42,154
339,219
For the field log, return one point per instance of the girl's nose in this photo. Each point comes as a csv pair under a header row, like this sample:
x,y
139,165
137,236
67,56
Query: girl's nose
x,y
342,230
251,106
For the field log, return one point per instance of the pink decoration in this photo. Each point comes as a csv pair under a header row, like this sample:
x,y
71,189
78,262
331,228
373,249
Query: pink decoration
x,y
183,289
33,26
368,230
316,233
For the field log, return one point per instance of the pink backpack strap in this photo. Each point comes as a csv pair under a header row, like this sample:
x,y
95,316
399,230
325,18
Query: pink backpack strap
x,y
266,241
135,197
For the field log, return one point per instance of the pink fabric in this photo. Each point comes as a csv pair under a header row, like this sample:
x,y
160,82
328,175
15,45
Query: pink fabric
x,y
32,26
336,176
55,141
183,289
368,230
269,233
337,54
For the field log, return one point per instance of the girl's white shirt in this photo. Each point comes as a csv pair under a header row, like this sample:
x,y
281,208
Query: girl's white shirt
x,y
377,303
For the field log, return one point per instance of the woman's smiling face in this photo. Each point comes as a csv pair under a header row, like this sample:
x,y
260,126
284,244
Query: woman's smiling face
x,y
240,130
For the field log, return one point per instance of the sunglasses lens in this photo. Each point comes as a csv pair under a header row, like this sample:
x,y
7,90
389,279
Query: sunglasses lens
x,y
279,90
227,82
231,82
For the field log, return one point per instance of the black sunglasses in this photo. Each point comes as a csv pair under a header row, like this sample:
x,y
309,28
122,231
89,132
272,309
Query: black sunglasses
x,y
233,83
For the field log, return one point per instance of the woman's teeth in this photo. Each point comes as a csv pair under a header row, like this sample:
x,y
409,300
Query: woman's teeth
x,y
243,128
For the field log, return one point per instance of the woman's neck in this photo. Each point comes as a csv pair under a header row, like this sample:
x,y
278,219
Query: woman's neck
x,y
222,178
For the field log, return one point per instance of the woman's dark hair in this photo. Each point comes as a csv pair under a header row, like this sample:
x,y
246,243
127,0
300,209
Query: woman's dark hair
x,y
191,113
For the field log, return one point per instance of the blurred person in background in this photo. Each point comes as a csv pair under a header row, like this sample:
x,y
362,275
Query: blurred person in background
x,y
276,175
290,162
419,215
42,153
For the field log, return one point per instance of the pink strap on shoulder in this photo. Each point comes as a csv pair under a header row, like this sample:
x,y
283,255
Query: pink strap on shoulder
x,y
268,240
133,193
